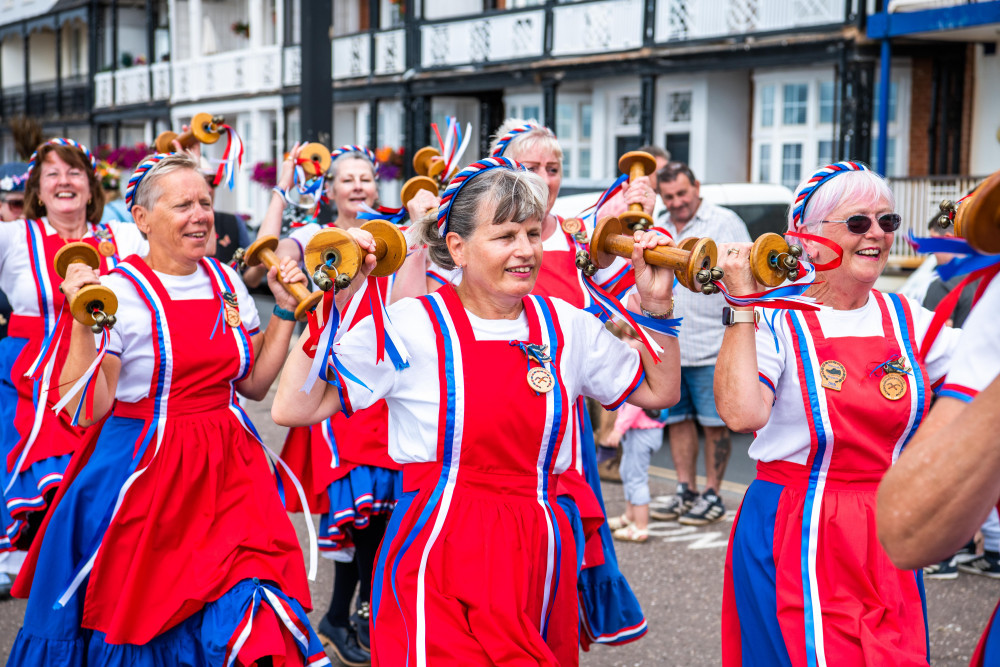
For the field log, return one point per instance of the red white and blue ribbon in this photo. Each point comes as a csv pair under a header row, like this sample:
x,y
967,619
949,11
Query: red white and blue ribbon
x,y
396,216
232,158
463,177
452,146
614,189
63,141
292,618
140,172
817,179
85,385
352,148
387,339
608,307
969,260
325,360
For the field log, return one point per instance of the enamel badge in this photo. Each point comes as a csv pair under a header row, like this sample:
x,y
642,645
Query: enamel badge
x,y
541,380
232,309
833,374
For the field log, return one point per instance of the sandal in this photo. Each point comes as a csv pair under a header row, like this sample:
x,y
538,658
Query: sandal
x,y
618,522
630,533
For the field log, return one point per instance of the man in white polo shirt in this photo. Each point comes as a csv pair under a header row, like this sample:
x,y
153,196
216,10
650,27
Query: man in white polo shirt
x,y
700,339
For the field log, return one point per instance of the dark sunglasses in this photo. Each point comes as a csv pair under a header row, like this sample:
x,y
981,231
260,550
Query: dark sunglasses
x,y
860,224
14,204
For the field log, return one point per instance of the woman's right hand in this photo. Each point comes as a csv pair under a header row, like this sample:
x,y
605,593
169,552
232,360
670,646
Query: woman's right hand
x,y
421,204
77,276
734,260
286,179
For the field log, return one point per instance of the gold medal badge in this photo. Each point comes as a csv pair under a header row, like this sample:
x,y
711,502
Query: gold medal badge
x,y
572,225
893,386
106,248
233,318
541,380
833,374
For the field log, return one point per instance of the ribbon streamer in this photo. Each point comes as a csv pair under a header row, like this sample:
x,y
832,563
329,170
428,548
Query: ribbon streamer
x,y
608,307
232,158
388,338
970,261
85,384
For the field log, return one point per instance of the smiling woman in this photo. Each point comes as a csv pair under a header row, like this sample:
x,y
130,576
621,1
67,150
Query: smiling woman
x,y
806,579
480,556
174,529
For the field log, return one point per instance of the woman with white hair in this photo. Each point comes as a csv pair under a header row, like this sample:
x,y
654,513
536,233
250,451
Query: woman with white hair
x,y
478,565
833,395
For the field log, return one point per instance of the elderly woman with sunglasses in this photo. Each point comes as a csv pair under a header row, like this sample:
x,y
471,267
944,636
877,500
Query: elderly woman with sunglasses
x,y
478,565
833,395
63,201
171,545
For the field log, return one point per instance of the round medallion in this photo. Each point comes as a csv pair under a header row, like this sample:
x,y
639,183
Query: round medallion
x,y
572,225
832,374
541,380
106,248
233,317
893,386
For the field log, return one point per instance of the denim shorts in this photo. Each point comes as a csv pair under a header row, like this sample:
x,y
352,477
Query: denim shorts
x,y
697,398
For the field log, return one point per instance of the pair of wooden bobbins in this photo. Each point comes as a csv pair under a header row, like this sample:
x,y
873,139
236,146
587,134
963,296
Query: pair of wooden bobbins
x,y
694,262
334,257
93,305
261,251
977,219
204,129
429,164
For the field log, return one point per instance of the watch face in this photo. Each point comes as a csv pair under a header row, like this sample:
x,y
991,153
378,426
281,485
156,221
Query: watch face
x,y
727,316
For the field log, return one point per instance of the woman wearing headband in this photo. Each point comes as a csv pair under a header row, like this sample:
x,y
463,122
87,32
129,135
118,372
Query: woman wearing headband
x,y
344,464
171,545
833,395
478,565
63,202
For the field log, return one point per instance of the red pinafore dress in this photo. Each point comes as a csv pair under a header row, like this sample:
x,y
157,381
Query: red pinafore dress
x,y
478,563
205,512
807,581
41,441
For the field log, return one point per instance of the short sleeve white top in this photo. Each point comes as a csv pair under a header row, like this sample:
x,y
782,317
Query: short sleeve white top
x,y
977,358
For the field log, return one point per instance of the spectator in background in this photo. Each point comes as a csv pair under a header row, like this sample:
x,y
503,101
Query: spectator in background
x,y
114,205
700,339
13,176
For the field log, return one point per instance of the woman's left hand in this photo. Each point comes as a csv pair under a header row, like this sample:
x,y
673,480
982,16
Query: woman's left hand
x,y
654,283
639,191
290,273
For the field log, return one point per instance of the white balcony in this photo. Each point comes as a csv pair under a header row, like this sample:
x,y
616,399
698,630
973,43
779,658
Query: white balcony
x,y
597,27
678,20
390,52
232,73
161,81
132,85
351,56
496,38
917,200
291,72
104,85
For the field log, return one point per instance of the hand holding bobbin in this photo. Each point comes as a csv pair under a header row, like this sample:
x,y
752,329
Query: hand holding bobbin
x,y
429,165
261,251
90,302
204,129
334,257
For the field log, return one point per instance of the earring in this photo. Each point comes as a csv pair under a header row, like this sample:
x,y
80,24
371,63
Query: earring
x,y
89,200
40,202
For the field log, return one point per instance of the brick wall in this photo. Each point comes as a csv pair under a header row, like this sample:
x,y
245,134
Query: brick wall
x,y
968,87
922,74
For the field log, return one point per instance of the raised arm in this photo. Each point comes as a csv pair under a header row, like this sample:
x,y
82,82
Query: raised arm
x,y
271,224
742,401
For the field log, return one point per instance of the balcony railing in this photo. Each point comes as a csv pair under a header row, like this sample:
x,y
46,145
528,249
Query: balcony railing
x,y
679,20
390,52
597,27
351,56
498,37
291,69
132,86
232,73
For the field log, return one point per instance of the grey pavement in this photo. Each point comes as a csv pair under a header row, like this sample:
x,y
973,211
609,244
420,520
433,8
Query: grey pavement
x,y
677,576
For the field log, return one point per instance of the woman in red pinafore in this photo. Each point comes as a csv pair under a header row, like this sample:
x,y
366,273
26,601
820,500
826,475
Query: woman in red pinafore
x,y
478,565
172,546
64,201
837,393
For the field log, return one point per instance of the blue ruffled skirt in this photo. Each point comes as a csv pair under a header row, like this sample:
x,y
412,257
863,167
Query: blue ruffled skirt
x,y
364,492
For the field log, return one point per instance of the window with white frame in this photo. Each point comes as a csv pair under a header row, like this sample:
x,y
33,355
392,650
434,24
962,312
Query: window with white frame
x,y
574,128
679,106
767,106
827,102
824,152
795,103
764,163
791,165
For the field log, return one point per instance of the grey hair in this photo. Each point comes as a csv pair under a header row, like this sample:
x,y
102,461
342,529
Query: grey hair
x,y
538,135
491,197
331,173
149,191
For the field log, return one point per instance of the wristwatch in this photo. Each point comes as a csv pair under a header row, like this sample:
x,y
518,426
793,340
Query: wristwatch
x,y
731,317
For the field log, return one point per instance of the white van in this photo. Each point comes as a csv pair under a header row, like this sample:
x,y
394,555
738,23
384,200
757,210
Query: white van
x,y
762,206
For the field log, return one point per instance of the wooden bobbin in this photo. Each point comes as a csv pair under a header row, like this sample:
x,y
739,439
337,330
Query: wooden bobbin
x,y
90,300
636,164
333,258
693,257
204,129
261,251
315,154
977,219
773,260
390,247
428,162
415,185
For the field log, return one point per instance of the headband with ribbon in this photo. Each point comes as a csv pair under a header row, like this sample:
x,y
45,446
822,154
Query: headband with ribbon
x,y
819,178
137,176
463,177
64,141
350,148
505,140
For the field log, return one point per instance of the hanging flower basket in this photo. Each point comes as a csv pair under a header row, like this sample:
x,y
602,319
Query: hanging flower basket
x,y
241,29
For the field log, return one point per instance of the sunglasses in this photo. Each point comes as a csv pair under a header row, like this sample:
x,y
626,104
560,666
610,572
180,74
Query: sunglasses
x,y
14,204
860,224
